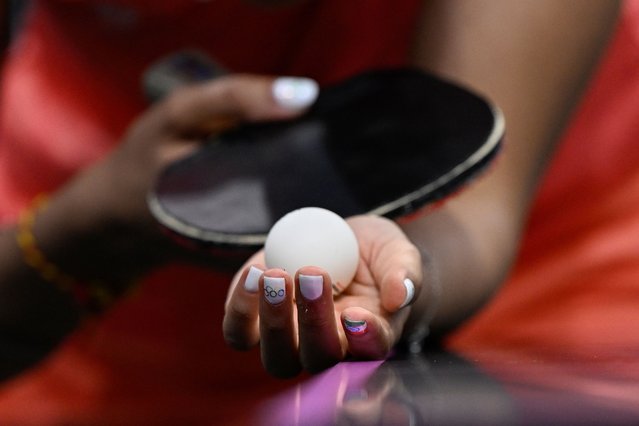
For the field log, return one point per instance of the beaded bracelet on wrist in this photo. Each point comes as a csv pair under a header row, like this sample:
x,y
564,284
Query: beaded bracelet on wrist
x,y
91,297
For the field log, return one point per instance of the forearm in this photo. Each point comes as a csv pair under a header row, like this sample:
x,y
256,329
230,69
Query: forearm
x,y
30,307
532,59
467,252
36,303
76,233
35,315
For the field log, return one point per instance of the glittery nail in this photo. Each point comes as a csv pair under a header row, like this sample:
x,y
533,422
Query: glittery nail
x,y
355,327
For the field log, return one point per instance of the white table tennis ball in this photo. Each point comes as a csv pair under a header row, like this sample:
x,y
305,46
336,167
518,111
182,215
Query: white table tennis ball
x,y
313,236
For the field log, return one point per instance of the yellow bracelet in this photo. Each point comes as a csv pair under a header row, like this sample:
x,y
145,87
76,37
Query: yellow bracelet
x,y
92,296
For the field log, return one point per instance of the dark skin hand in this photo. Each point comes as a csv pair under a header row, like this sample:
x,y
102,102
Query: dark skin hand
x,y
98,227
299,333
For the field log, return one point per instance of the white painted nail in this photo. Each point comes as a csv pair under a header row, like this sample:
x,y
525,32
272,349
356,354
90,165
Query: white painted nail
x,y
311,286
295,92
274,289
410,292
251,284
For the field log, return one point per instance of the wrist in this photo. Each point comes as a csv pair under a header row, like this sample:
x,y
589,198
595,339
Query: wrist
x,y
67,248
425,308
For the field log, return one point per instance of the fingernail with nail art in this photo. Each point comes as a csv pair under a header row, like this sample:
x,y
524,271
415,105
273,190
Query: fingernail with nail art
x,y
251,283
295,92
311,286
355,327
410,292
274,289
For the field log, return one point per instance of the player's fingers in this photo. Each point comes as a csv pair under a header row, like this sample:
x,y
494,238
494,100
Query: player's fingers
x,y
319,339
399,288
256,260
392,259
225,101
399,275
278,335
369,336
240,323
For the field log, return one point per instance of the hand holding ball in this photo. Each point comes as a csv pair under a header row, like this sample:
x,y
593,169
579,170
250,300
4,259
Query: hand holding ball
x,y
313,236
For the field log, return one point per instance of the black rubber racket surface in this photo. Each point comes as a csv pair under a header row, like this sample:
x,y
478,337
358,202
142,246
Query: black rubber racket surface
x,y
386,142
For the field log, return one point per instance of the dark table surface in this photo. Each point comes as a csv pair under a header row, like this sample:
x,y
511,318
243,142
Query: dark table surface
x,y
523,387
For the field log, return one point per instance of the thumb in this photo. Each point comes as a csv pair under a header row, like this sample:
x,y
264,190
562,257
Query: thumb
x,y
400,276
223,102
394,262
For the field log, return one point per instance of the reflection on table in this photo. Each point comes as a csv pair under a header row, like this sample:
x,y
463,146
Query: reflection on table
x,y
484,388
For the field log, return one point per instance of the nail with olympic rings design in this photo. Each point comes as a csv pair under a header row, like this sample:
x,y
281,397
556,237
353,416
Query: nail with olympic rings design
x,y
274,289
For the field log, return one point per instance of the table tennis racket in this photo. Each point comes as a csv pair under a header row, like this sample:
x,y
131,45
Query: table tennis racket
x,y
386,142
